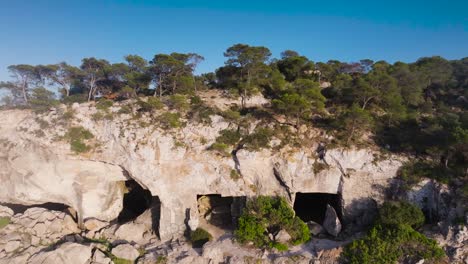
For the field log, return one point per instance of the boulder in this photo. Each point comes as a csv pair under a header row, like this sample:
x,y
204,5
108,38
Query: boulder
x,y
332,223
282,237
139,231
315,228
70,253
100,258
94,224
6,211
126,251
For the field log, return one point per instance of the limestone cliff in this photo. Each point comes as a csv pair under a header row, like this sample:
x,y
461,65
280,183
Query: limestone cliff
x,y
174,165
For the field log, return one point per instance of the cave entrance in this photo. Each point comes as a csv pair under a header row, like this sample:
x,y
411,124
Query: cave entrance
x,y
135,202
220,212
312,206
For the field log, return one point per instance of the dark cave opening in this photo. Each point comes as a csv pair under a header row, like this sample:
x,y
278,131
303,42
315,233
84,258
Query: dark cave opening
x,y
219,211
312,206
135,202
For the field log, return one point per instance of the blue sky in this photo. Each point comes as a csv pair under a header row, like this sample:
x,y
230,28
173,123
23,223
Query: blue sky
x,y
50,31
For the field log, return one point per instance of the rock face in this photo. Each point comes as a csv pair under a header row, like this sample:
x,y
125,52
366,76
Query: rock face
x,y
315,228
34,228
125,251
332,223
282,237
173,165
66,253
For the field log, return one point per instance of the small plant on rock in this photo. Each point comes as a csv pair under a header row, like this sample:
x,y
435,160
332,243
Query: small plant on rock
x,y
199,237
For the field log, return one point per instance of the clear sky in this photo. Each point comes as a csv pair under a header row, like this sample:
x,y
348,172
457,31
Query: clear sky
x,y
50,31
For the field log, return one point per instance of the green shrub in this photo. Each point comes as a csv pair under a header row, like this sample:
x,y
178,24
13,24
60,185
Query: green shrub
x,y
178,102
259,139
231,115
42,99
221,148
170,120
76,137
414,171
264,215
401,213
229,137
75,98
68,115
235,175
199,237
152,103
319,166
202,114
161,260
42,123
4,221
125,109
280,247
392,239
196,100
104,105
392,244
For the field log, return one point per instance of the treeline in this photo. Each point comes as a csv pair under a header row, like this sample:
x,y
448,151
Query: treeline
x,y
419,107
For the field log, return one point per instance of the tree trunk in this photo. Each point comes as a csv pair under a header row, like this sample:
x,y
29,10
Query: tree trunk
x,y
351,133
366,101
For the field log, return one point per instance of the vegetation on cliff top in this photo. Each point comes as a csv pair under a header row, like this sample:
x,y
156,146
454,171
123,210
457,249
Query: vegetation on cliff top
x,y
416,108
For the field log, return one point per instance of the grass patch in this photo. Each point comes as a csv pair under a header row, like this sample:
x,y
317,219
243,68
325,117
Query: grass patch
x,y
235,175
4,221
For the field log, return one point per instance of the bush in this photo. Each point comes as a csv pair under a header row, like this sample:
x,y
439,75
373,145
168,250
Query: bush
x,y
264,215
75,98
392,239
170,120
76,137
414,171
42,99
259,139
401,213
4,221
235,175
178,102
125,109
221,148
231,115
153,103
104,105
199,237
229,137
392,244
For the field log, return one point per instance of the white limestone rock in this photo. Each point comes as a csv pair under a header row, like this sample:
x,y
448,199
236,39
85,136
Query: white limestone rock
x,y
70,253
332,223
126,251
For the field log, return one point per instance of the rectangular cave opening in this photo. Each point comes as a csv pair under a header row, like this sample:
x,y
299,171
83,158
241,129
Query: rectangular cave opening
x,y
218,211
313,206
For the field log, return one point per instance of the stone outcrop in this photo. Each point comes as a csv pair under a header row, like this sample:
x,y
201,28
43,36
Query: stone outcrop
x,y
332,223
35,228
125,251
174,165
71,253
